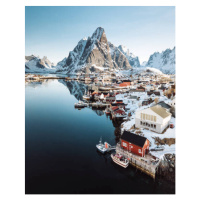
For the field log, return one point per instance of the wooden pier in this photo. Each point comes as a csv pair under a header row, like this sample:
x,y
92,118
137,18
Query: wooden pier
x,y
146,164
98,105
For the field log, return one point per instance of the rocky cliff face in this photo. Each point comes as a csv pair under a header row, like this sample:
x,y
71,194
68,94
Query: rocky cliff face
x,y
133,60
94,54
120,61
164,61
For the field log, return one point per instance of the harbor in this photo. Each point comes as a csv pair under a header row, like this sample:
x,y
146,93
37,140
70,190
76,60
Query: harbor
x,y
148,164
77,133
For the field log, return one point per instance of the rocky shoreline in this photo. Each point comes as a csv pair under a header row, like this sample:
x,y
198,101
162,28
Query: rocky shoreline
x,y
167,168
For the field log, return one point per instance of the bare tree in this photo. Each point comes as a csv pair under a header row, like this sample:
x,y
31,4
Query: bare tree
x,y
156,100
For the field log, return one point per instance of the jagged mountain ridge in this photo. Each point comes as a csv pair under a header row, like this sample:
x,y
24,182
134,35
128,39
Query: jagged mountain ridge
x,y
164,61
95,54
133,60
36,64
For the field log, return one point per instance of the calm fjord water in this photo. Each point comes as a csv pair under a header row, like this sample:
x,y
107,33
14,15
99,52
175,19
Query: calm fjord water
x,y
60,151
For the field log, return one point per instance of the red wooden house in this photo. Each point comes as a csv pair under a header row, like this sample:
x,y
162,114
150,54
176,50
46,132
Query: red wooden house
x,y
117,110
135,143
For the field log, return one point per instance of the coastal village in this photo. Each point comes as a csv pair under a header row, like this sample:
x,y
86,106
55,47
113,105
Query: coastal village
x,y
144,103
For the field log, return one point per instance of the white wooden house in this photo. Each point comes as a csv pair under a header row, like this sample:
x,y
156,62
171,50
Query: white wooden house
x,y
155,118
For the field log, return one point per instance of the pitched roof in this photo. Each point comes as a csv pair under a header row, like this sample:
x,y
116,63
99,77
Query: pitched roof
x,y
133,97
115,107
160,111
164,105
133,138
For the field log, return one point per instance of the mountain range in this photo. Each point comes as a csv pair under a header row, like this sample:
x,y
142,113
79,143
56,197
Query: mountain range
x,y
96,53
36,64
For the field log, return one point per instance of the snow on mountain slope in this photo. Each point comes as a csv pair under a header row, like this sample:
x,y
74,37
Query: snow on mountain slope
x,y
90,51
164,61
95,53
119,60
144,64
35,64
133,60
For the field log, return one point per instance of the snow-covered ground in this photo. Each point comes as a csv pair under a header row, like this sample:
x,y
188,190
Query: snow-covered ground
x,y
128,125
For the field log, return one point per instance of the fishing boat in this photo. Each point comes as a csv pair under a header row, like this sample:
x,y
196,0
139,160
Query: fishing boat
x,y
120,160
120,115
101,147
158,148
80,104
86,96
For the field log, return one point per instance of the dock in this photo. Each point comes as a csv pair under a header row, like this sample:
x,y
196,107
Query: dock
x,y
146,164
51,77
98,105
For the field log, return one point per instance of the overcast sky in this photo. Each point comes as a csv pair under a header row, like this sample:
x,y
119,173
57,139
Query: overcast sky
x,y
54,31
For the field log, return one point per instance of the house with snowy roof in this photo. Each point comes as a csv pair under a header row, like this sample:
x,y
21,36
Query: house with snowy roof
x,y
155,118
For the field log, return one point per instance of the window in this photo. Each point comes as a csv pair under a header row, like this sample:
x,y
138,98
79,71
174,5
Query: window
x,y
124,144
151,117
154,126
140,122
151,125
139,150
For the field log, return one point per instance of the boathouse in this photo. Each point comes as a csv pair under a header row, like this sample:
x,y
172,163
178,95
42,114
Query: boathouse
x,y
135,144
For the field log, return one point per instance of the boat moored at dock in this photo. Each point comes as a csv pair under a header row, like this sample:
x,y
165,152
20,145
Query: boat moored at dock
x,y
158,148
101,147
80,104
120,160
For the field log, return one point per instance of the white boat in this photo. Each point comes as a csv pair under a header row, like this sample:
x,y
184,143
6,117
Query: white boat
x,y
101,147
120,116
120,160
158,148
80,104
86,96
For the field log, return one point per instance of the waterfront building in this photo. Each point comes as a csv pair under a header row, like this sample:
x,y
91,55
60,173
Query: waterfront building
x,y
135,144
155,118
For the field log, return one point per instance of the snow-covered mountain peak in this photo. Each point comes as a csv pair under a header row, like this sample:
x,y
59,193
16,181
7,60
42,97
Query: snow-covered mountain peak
x,y
164,61
126,51
123,49
97,34
36,64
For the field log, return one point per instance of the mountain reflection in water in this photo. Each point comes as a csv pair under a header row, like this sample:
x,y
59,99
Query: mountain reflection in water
x,y
60,151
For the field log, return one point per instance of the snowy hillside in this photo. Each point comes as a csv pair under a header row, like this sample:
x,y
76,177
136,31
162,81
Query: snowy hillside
x,y
36,64
164,61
